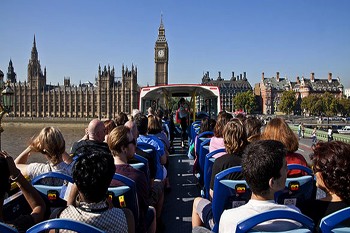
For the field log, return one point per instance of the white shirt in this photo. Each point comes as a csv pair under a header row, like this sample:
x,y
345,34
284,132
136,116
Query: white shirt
x,y
231,217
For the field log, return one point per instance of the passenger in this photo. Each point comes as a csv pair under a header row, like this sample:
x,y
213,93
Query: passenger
x,y
150,111
265,170
92,174
109,126
277,129
141,122
235,140
122,145
9,171
93,139
183,115
51,144
331,165
253,128
121,118
164,123
217,142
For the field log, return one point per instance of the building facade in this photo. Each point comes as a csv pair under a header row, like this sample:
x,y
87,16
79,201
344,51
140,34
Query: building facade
x,y
161,57
228,88
271,90
108,96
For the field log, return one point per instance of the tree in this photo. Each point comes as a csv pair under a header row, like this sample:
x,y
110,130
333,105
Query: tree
x,y
312,104
330,104
245,101
344,107
288,102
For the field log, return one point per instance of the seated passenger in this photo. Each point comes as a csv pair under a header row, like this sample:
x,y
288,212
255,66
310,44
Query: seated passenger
x,y
264,168
93,139
51,144
122,145
217,141
331,165
235,141
109,126
252,127
9,171
277,129
92,174
121,118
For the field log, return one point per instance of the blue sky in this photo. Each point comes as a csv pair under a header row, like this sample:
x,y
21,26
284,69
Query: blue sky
x,y
293,37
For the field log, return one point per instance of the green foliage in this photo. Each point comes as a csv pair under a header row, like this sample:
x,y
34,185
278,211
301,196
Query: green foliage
x,y
288,102
245,101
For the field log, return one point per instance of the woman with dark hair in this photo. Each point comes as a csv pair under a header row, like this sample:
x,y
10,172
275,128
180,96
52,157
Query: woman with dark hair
x,y
331,165
277,129
252,127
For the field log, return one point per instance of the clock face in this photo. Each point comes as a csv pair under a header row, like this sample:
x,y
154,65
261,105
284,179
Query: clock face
x,y
161,53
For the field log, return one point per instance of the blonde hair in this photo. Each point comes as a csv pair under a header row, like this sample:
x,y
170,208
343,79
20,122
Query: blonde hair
x,y
49,142
235,137
118,138
277,129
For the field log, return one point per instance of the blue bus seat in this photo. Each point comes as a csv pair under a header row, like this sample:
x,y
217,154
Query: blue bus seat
x,y
297,189
334,221
208,167
150,155
201,137
125,196
62,223
203,151
4,228
248,225
54,195
228,194
142,165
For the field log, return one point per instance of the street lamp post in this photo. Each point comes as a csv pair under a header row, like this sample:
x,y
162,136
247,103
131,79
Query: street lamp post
x,y
6,102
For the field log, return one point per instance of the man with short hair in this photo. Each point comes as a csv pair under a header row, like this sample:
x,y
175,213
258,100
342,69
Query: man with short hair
x,y
93,139
264,167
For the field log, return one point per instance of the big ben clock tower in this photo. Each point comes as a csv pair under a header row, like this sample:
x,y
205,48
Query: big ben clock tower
x,y
161,57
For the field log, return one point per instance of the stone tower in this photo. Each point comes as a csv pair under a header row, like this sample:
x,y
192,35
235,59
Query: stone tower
x,y
11,75
161,57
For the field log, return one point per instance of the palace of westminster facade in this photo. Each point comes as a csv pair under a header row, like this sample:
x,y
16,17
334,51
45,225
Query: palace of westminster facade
x,y
111,95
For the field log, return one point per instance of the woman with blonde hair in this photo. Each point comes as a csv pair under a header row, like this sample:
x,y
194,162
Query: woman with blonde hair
x,y
277,129
51,144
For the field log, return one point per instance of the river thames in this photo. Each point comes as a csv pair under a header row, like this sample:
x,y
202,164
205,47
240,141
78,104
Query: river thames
x,y
17,135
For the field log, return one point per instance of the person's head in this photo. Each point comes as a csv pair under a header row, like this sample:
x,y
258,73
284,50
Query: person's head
x,y
121,141
331,165
264,166
134,112
277,129
132,126
154,125
92,173
141,122
5,184
121,118
222,120
150,111
109,126
51,143
235,138
96,130
160,113
252,128
207,125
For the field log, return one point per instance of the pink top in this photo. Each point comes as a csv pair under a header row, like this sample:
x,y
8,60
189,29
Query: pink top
x,y
216,143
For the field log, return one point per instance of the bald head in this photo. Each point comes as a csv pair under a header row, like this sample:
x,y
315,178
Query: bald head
x,y
132,126
96,130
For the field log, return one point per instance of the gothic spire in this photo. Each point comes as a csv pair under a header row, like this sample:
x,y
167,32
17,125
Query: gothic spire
x,y
161,31
34,51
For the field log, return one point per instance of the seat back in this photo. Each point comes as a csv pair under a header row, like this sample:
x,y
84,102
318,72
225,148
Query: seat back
x,y
203,151
62,223
201,137
297,189
149,152
125,196
54,195
228,193
142,165
333,222
4,228
208,167
247,225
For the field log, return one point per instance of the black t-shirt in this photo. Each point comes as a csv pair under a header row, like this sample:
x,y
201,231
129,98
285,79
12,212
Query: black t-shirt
x,y
82,145
224,162
318,209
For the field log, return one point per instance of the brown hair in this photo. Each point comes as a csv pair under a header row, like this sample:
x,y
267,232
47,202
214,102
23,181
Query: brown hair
x,y
332,160
235,138
49,142
154,125
223,118
121,118
109,126
118,138
252,127
277,129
